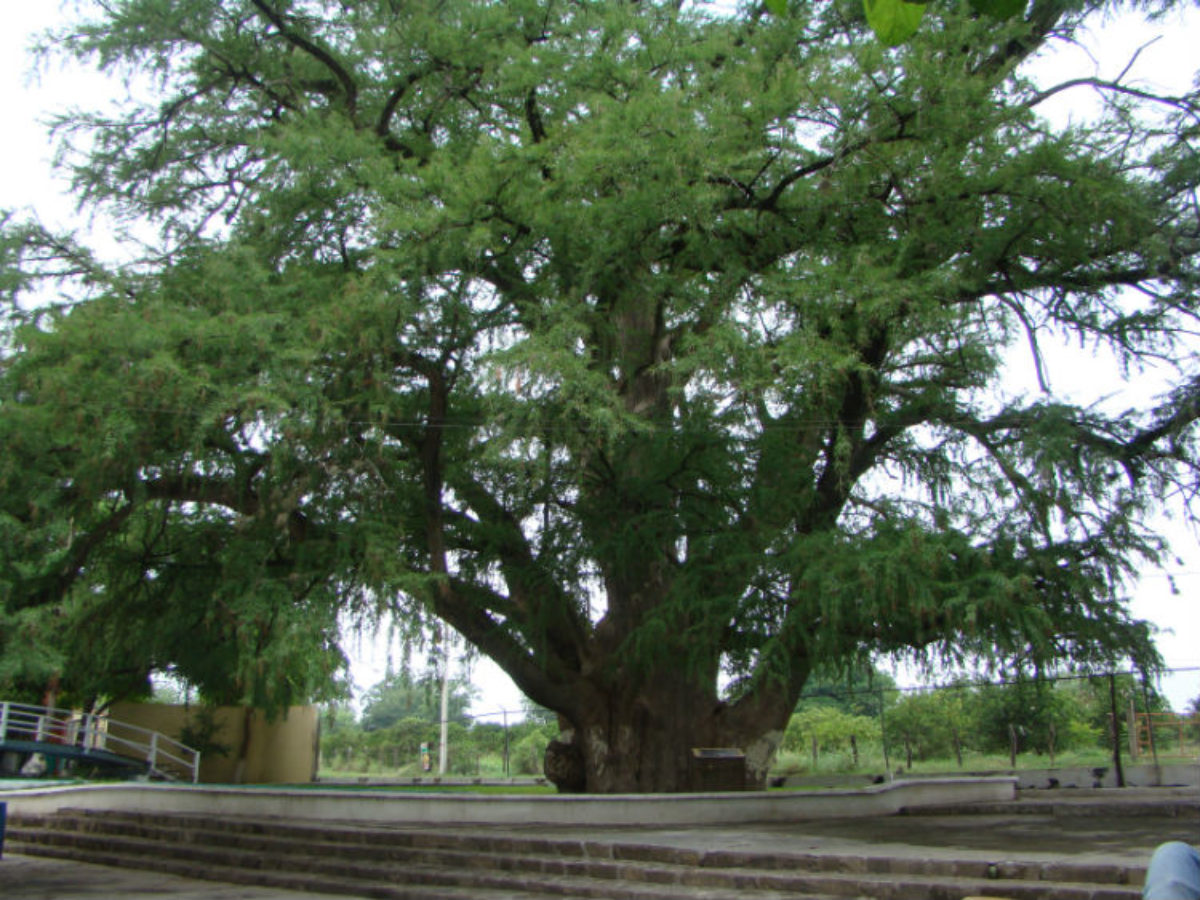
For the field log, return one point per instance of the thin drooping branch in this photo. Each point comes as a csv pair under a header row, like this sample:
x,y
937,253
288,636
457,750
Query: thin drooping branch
x,y
317,52
53,587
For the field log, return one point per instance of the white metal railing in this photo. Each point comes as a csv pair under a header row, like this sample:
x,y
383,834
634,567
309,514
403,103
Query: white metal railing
x,y
163,756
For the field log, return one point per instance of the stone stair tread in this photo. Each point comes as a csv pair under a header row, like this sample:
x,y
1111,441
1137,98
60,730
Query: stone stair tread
x,y
578,877
364,888
307,883
311,874
469,848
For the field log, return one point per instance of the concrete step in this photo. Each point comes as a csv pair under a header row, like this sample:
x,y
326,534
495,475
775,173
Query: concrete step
x,y
358,870
433,862
402,841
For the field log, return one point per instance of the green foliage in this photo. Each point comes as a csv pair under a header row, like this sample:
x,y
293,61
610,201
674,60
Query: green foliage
x,y
1038,715
858,691
893,21
931,724
1094,700
999,9
647,347
201,730
528,752
401,696
831,728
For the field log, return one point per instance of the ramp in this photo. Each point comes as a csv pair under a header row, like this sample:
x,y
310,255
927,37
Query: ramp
x,y
97,739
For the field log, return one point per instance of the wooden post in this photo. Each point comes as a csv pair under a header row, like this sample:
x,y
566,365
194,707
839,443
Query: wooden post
x,y
1150,723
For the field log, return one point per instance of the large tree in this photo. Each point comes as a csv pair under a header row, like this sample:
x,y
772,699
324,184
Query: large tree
x,y
657,350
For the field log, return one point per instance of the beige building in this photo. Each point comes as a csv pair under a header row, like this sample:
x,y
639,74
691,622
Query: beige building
x,y
257,751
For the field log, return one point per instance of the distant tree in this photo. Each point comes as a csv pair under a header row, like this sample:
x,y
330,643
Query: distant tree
x,y
929,724
488,738
1094,699
830,727
406,736
858,691
400,695
338,716
1032,712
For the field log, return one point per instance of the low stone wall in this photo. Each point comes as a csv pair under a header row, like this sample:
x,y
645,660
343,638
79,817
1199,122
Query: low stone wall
x,y
476,809
1165,775
1175,774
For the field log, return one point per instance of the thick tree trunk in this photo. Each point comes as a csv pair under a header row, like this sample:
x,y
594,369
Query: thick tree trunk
x,y
645,744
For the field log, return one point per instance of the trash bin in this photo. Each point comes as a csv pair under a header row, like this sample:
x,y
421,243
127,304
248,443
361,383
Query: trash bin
x,y
718,769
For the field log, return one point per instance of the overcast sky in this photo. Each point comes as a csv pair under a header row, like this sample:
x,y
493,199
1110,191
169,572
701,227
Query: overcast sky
x,y
26,181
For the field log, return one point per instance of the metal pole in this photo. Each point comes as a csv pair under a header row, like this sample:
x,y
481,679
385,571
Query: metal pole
x,y
1150,723
883,737
442,749
504,712
1116,729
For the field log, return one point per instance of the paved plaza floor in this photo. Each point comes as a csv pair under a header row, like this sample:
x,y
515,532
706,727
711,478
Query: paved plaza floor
x,y
36,878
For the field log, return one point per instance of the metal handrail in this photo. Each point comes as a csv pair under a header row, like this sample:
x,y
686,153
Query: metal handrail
x,y
163,756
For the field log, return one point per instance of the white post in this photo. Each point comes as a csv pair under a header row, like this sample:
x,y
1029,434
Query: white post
x,y
196,768
3,720
445,703
153,758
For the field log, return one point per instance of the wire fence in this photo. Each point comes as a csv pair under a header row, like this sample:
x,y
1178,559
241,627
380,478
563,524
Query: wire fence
x,y
1113,717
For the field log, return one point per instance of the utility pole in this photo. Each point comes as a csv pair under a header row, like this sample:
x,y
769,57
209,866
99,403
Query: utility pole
x,y
442,749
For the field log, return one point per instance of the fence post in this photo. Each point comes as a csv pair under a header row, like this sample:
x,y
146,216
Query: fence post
x,y
1150,728
504,712
3,720
3,816
153,758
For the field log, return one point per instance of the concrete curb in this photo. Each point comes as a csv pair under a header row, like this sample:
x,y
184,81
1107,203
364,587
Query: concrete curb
x,y
474,809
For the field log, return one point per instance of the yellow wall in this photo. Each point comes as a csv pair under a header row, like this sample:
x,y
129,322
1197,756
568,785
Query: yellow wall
x,y
279,752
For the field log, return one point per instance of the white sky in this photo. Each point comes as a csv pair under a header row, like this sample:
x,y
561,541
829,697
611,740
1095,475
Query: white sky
x,y
26,181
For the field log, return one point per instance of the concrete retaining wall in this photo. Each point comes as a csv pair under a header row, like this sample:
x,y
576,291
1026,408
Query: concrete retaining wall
x,y
475,809
283,751
1174,774
1166,775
